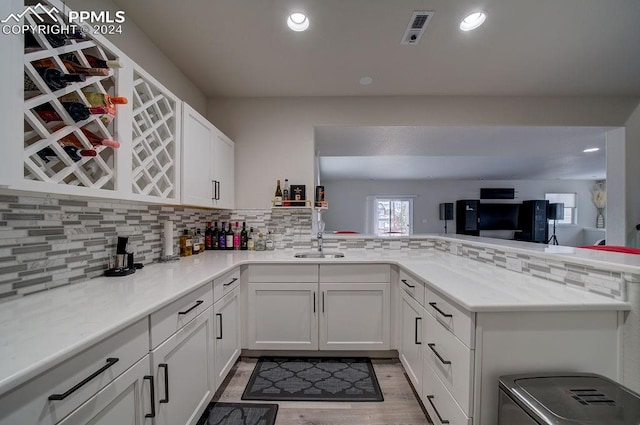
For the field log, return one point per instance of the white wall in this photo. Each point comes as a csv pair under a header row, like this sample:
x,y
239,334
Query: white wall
x,y
347,200
135,44
633,177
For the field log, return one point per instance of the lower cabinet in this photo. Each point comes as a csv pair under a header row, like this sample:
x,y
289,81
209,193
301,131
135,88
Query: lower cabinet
x,y
183,370
410,341
283,316
227,334
128,400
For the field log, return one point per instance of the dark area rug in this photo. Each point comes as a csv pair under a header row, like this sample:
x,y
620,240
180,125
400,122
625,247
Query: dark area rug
x,y
239,414
313,379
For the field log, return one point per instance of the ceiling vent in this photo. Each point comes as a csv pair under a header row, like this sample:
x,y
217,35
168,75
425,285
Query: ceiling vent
x,y
417,24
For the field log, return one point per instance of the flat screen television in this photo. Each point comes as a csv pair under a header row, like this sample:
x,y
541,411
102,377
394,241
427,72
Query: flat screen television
x,y
499,216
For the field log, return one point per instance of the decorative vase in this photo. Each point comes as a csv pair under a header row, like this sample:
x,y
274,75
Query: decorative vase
x,y
600,219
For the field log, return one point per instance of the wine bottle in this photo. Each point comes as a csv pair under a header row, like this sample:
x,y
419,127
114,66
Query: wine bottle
x,y
244,237
195,242
278,196
94,61
57,80
72,67
55,38
214,236
230,238
285,193
222,238
208,242
75,153
236,238
96,99
93,138
78,111
250,241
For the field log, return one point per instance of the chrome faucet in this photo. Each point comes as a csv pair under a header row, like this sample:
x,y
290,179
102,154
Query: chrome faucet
x,y
320,242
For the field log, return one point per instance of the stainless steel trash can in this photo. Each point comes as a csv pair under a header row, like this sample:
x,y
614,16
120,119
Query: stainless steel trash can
x,y
566,399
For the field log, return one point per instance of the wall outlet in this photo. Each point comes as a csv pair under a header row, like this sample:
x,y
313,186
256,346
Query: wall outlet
x,y
514,264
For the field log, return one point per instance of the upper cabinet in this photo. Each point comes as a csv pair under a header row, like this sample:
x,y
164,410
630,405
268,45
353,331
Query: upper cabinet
x,y
77,136
207,163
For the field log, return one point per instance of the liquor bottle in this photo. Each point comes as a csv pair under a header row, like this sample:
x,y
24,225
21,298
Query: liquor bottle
x,y
200,239
78,111
250,241
260,243
269,243
244,237
229,245
214,237
236,238
185,244
285,193
195,242
208,241
94,61
55,79
278,196
72,140
222,238
75,153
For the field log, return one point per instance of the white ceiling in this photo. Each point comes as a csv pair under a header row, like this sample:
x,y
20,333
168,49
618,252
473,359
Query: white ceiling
x,y
242,48
489,153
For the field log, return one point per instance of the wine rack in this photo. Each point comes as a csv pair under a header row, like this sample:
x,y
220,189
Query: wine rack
x,y
45,158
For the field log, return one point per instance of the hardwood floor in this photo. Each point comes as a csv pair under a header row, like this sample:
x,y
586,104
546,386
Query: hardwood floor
x,y
400,406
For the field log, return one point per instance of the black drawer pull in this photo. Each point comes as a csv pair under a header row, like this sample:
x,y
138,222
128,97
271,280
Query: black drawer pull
x,y
166,382
415,338
232,280
405,282
215,190
153,396
220,314
110,362
430,399
191,308
323,302
438,354
440,311
314,302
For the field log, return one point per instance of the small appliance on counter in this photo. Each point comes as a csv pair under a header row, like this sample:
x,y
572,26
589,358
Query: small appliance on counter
x,y
124,263
566,399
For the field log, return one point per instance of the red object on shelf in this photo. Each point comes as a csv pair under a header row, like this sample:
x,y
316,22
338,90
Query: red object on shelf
x,y
613,248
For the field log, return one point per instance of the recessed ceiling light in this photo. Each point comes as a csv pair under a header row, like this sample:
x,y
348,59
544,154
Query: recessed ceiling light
x,y
298,21
365,81
473,21
591,150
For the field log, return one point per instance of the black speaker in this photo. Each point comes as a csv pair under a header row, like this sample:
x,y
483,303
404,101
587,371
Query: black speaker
x,y
533,221
446,211
555,212
467,218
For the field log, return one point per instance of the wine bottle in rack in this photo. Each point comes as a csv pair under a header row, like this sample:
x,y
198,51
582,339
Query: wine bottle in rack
x,y
71,67
93,138
55,79
75,153
78,111
94,61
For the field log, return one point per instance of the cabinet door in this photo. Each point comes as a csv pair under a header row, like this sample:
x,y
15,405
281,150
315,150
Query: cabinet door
x,y
128,400
354,316
197,186
227,333
283,316
184,374
223,171
411,317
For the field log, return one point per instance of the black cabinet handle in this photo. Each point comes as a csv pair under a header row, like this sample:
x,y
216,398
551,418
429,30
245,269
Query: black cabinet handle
x,y
438,354
153,396
416,334
232,280
220,314
110,362
405,282
215,190
430,399
191,308
314,302
323,302
166,382
440,311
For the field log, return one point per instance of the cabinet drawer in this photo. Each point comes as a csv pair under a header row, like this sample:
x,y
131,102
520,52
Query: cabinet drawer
x,y
439,403
458,321
168,320
283,273
89,371
370,273
225,284
412,286
450,359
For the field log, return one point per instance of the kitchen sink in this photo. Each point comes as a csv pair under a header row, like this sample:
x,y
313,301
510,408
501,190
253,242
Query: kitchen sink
x,y
319,254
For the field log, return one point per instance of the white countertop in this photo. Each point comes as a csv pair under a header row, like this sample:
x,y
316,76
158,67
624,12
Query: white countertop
x,y
44,329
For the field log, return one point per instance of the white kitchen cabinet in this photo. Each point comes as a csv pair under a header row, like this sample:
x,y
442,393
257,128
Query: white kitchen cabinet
x,y
128,400
410,343
283,315
183,369
207,163
227,333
